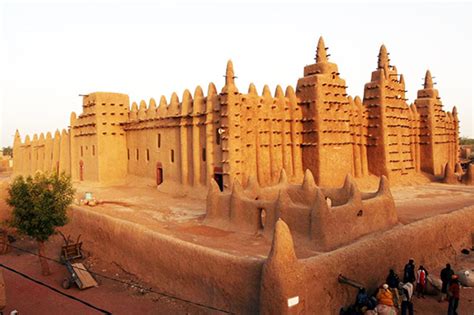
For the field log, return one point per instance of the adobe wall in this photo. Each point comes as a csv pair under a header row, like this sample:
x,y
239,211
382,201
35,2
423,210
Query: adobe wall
x,y
179,268
270,136
431,242
179,138
305,209
42,153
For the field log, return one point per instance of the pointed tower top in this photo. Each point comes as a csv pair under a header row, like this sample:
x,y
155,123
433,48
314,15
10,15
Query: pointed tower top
x,y
282,251
211,89
279,91
321,55
383,57
17,138
252,89
198,92
229,73
174,99
266,91
428,80
163,101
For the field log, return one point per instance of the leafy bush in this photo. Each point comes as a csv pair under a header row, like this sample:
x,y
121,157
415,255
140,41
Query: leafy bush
x,y
39,206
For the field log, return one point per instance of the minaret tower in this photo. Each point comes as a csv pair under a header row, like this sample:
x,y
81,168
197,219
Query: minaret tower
x,y
326,145
389,147
437,143
229,131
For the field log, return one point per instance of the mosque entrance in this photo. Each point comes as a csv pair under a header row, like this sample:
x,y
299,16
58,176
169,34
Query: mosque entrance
x,y
219,177
159,173
81,170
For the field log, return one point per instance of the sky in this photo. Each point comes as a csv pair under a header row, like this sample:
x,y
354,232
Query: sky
x,y
50,52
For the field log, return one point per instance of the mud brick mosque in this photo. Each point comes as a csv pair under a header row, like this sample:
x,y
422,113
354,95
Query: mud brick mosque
x,y
231,135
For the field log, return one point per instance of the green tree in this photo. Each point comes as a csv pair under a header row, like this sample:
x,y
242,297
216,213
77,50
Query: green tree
x,y
466,141
39,206
7,151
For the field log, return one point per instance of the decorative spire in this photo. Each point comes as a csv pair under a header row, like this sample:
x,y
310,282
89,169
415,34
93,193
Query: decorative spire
x,y
383,57
229,73
266,91
428,80
321,55
17,138
198,93
252,89
163,102
279,92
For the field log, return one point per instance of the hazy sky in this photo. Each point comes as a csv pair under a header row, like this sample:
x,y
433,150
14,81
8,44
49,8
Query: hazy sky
x,y
51,52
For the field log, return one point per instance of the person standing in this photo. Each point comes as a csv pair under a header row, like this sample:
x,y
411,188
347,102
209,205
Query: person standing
x,y
409,272
393,281
445,276
453,292
421,275
406,294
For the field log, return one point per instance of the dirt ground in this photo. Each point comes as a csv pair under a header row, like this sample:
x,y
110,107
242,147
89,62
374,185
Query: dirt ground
x,y
430,304
182,217
113,296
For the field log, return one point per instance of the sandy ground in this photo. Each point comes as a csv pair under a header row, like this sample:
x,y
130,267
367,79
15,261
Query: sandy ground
x,y
182,217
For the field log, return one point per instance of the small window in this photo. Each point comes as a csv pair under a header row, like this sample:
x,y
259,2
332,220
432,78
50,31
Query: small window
x,y
218,137
37,155
138,154
82,151
93,150
51,155
204,154
172,156
148,154
30,156
159,140
128,154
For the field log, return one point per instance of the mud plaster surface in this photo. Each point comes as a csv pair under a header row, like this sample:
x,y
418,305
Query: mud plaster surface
x,y
181,216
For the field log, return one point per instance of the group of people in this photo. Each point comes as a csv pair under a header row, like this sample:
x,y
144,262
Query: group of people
x,y
396,294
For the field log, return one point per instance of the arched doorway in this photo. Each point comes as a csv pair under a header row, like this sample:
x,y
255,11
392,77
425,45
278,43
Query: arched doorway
x,y
219,177
159,173
81,170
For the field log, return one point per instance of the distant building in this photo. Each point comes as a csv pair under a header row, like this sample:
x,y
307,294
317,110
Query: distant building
x,y
231,135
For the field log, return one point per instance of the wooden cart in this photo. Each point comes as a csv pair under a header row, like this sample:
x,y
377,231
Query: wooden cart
x,y
71,250
79,275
